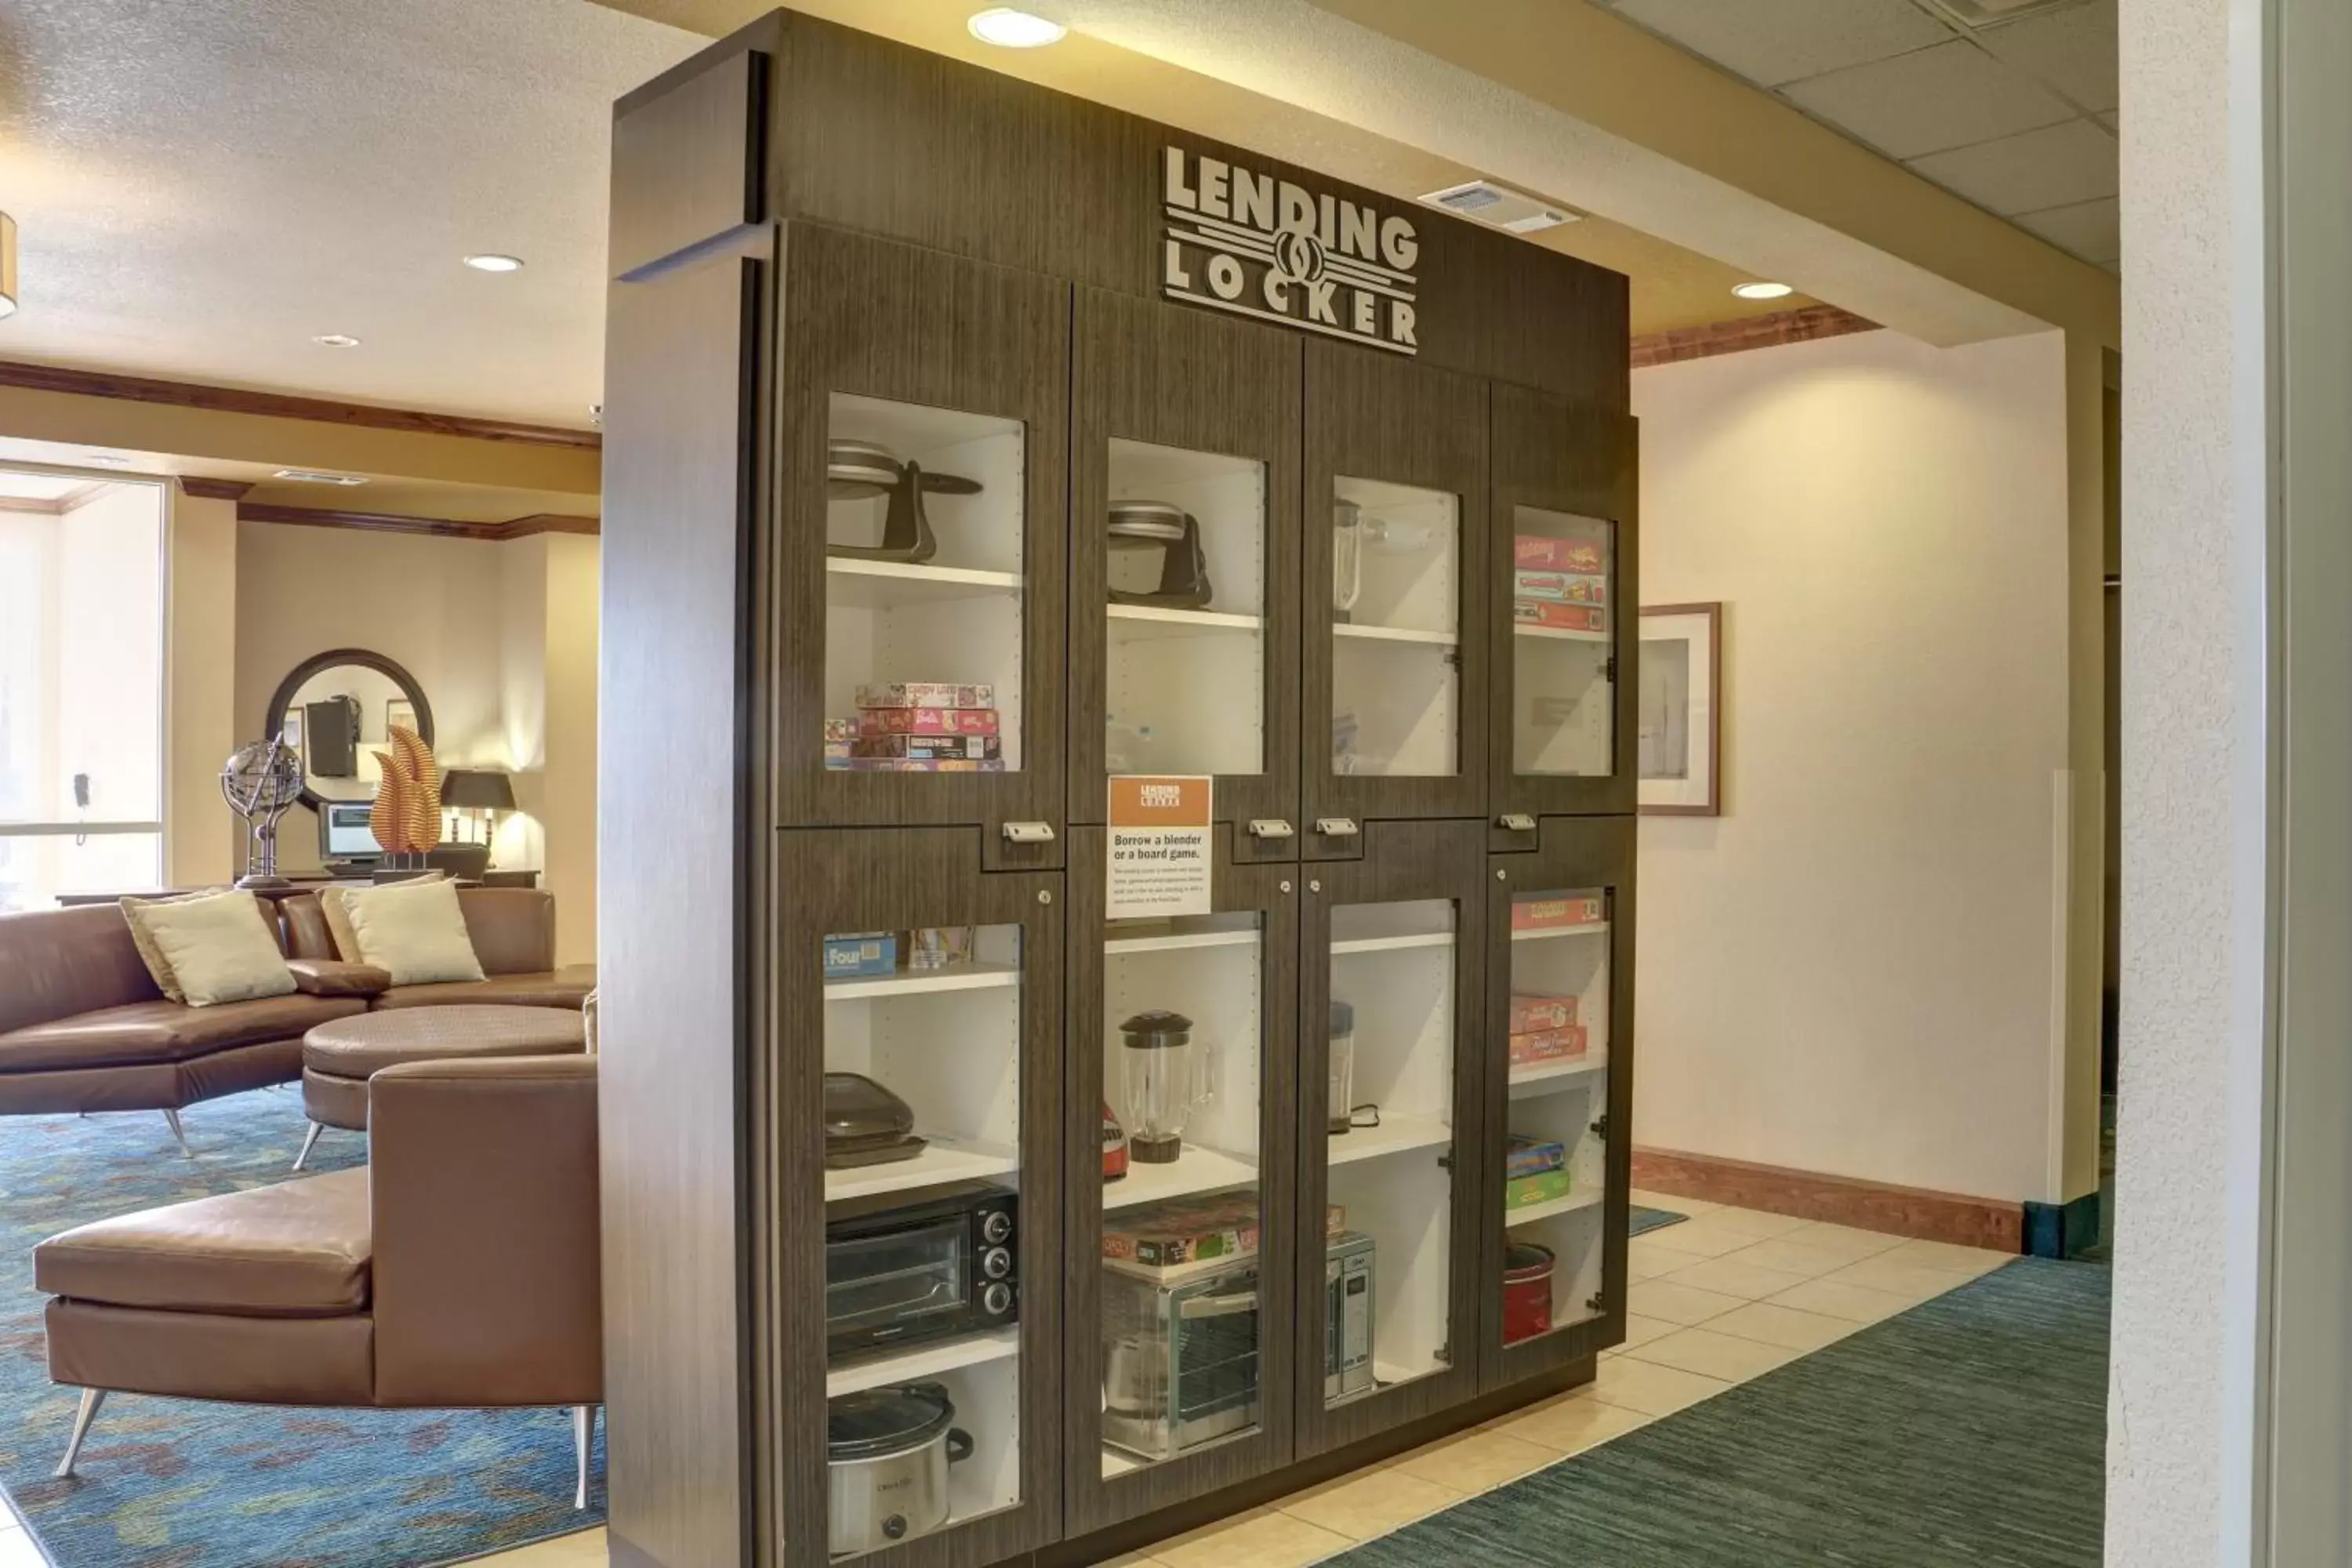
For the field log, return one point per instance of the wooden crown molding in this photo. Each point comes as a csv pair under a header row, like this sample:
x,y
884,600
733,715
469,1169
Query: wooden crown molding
x,y
1838,1200
1801,326
285,406
397,522
55,506
203,489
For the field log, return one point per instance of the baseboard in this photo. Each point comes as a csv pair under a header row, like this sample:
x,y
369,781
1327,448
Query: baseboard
x,y
1995,1223
2062,1230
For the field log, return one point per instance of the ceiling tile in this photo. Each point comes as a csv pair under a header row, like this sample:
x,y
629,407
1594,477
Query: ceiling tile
x,y
1784,40
1953,95
2073,50
2092,230
2053,167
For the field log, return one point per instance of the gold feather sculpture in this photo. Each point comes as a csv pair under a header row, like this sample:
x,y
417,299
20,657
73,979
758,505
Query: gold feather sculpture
x,y
406,816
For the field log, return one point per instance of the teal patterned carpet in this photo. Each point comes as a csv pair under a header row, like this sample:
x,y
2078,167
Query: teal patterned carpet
x,y
167,1483
1970,1432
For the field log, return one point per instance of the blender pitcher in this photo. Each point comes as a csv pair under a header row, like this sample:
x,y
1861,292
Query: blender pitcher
x,y
1165,1080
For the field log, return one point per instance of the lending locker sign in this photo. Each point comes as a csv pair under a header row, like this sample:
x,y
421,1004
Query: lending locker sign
x,y
1257,246
1161,854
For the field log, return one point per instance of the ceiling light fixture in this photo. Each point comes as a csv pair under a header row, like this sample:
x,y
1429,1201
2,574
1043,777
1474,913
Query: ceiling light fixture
x,y
491,261
7,265
1010,29
107,459
336,341
318,476
1762,290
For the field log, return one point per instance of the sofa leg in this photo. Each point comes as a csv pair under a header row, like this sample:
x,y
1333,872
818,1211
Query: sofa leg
x,y
583,1438
309,1141
91,1398
171,1119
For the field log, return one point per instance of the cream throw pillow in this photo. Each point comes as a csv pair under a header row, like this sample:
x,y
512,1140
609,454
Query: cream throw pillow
x,y
339,921
219,948
134,916
415,931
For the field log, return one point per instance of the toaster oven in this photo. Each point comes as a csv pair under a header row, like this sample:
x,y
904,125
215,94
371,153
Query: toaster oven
x,y
898,1273
1181,1346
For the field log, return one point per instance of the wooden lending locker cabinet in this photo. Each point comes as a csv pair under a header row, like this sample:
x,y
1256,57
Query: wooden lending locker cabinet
x,y
968,446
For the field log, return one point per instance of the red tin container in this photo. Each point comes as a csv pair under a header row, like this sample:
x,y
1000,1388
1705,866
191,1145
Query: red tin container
x,y
1526,1291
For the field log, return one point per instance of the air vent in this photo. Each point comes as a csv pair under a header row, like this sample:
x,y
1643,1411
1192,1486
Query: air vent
x,y
1975,14
318,476
1481,200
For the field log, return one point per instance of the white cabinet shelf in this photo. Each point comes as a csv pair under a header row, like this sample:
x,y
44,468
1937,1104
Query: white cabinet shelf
x,y
1395,1135
874,584
1143,621
1392,944
1394,633
1548,1078
1197,1170
943,1159
919,983
1597,927
1560,634
1568,1204
1125,944
921,1362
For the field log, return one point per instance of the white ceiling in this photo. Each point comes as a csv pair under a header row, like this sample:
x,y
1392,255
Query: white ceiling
x,y
201,186
2017,116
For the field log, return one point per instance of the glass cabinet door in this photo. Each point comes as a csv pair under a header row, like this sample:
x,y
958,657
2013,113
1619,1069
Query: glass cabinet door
x,y
1388,1093
1396,644
1566,618
1184,561
1558,1012
918,1181
1179,1278
920,556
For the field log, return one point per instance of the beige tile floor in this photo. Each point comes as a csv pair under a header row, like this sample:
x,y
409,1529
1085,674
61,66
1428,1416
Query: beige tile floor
x,y
1726,1296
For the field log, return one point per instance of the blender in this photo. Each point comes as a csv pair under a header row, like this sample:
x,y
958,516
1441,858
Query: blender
x,y
1164,1084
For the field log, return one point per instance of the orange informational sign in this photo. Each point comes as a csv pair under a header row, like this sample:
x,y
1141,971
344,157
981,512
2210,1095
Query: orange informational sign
x,y
1161,856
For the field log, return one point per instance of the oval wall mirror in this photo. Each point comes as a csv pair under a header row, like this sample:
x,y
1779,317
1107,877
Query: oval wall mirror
x,y
336,710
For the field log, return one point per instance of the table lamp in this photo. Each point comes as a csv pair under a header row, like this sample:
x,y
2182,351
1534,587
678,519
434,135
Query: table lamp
x,y
468,790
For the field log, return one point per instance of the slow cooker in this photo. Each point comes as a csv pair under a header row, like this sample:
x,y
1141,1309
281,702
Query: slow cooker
x,y
887,1456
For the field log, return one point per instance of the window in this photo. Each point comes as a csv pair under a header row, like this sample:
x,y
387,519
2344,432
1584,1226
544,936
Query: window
x,y
81,687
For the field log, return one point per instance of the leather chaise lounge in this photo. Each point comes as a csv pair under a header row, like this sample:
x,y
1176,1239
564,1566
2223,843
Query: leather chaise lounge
x,y
84,1028
460,1270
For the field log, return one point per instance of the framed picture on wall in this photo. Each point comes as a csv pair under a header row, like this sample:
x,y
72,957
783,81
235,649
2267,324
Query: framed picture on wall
x,y
398,711
1681,714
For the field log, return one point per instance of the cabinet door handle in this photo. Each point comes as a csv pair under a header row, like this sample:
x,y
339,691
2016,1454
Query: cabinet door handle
x,y
1336,827
1518,821
1028,833
1268,828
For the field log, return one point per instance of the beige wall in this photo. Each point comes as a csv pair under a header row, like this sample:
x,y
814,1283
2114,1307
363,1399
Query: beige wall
x,y
501,636
200,673
1858,968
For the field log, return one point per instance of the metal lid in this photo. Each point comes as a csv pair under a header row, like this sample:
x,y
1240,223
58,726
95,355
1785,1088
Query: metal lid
x,y
1155,520
1343,1018
1523,1260
874,1423
860,463
1157,1030
856,1107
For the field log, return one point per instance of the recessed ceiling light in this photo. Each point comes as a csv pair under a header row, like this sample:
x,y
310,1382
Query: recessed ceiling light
x,y
491,261
1762,290
336,341
107,459
318,476
1010,29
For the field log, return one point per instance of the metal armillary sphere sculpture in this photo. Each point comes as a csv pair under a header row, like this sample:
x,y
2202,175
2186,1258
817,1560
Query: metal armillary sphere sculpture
x,y
261,783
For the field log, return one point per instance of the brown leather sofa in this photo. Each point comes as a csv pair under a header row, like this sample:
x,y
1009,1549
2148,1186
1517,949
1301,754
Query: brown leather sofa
x,y
459,1269
83,1027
